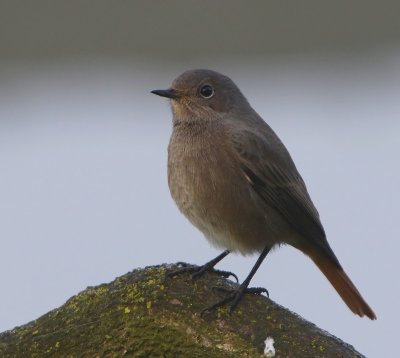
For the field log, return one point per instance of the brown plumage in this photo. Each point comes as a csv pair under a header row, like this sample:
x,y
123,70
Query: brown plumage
x,y
232,177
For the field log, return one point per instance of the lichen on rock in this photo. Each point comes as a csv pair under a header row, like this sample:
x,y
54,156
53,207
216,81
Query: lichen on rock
x,y
146,313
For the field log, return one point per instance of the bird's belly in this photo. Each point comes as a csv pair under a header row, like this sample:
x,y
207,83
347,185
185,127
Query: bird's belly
x,y
217,199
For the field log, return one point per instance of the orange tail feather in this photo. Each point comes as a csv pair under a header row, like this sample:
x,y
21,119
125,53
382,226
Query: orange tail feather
x,y
343,285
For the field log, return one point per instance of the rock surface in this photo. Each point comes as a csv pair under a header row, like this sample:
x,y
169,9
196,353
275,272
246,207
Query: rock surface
x,y
148,314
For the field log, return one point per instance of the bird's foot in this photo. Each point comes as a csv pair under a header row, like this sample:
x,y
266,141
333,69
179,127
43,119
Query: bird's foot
x,y
233,296
198,271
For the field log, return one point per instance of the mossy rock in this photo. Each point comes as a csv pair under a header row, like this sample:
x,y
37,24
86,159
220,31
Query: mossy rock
x,y
145,313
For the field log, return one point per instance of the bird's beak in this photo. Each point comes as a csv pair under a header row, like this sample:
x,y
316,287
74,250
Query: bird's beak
x,y
169,93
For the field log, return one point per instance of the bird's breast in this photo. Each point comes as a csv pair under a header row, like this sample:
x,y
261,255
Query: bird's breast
x,y
194,176
209,188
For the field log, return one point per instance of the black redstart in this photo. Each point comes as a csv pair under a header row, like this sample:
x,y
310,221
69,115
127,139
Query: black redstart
x,y
232,177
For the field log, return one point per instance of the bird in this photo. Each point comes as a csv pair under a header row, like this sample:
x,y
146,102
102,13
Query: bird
x,y
233,179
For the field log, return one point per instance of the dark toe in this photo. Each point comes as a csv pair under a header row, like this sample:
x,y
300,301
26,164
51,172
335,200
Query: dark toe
x,y
185,269
257,291
226,274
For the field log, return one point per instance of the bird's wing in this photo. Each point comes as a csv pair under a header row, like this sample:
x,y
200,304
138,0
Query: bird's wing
x,y
271,172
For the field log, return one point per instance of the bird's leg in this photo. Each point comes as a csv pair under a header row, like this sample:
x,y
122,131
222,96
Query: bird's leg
x,y
233,296
197,271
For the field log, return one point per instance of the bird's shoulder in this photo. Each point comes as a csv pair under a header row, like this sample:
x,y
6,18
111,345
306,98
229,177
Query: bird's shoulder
x,y
257,144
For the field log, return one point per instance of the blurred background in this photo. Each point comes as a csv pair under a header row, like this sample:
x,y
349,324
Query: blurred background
x,y
83,189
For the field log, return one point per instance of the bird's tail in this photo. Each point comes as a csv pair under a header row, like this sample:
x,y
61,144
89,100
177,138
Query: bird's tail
x,y
342,284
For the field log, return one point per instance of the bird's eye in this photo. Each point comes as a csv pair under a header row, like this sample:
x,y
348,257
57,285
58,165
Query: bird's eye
x,y
207,91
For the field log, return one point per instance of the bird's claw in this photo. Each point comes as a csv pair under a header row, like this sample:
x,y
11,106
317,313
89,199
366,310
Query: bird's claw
x,y
233,296
198,271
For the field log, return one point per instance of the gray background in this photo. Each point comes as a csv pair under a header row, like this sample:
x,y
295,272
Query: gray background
x,y
83,192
